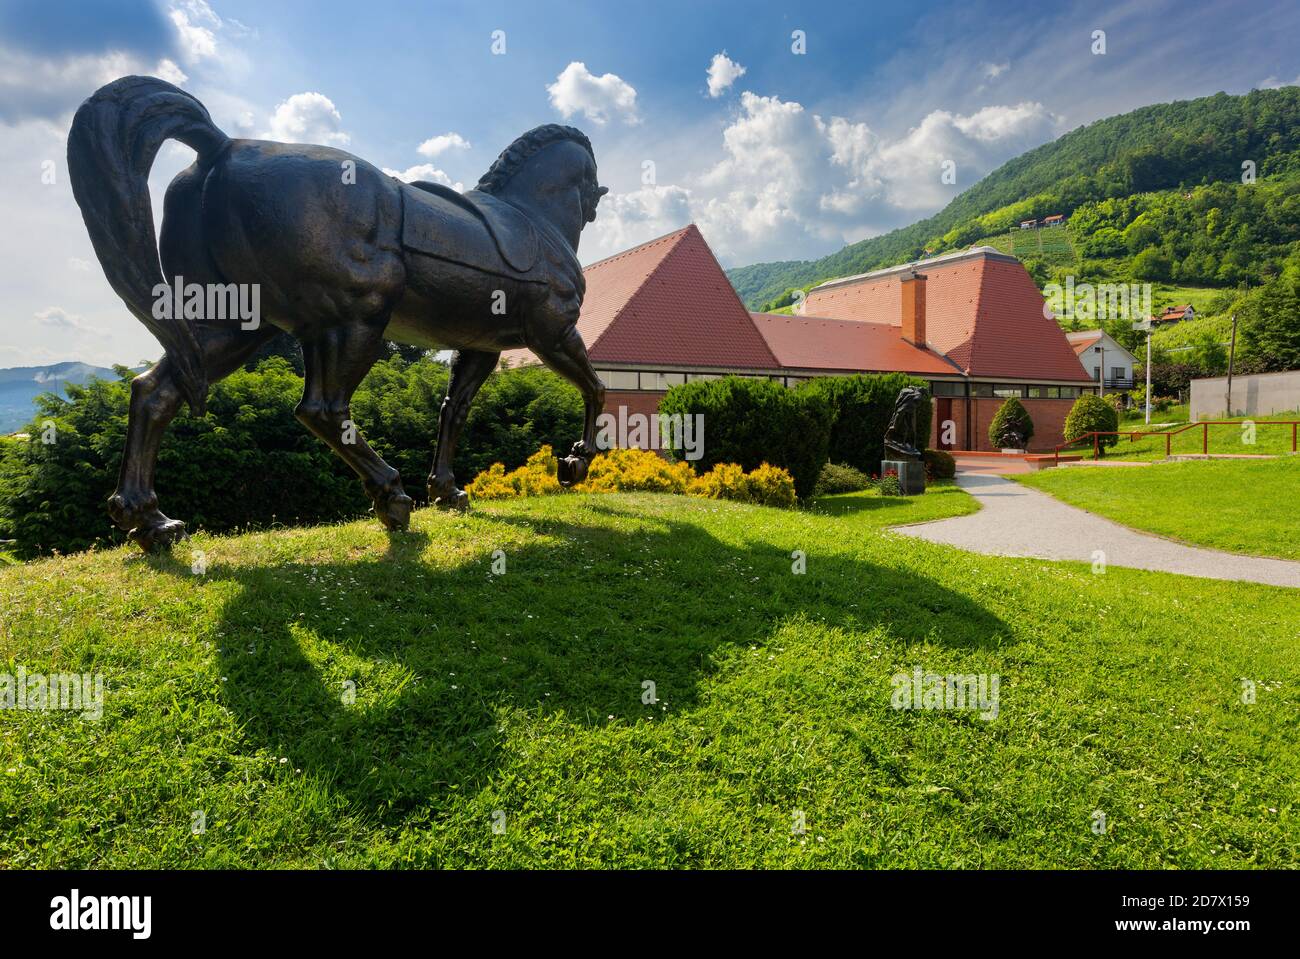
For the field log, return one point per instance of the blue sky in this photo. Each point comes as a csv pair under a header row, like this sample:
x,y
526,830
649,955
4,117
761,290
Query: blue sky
x,y
789,159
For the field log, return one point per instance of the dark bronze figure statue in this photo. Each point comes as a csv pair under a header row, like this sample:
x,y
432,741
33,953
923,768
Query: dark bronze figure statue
x,y
342,257
901,441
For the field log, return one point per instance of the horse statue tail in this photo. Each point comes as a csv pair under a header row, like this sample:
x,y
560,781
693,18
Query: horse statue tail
x,y
111,147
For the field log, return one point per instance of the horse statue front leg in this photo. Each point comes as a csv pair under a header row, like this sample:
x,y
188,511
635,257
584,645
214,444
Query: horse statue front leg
x,y
469,371
569,359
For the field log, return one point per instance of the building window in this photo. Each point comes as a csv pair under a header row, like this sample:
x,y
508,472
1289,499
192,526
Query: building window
x,y
1052,392
694,377
1037,392
981,389
1070,392
946,388
661,381
1006,390
1118,373
620,380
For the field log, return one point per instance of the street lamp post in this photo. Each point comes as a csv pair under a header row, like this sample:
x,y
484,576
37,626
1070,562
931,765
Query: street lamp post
x,y
1101,370
1145,326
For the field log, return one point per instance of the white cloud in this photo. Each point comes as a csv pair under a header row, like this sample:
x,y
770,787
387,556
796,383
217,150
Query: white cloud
x,y
308,118
578,90
197,42
723,72
1273,83
626,219
169,71
792,183
994,70
440,144
65,323
425,171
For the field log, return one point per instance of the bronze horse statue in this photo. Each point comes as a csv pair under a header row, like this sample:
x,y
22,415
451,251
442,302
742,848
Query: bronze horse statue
x,y
342,257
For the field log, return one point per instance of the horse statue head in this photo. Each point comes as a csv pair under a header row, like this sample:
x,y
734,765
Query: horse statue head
x,y
550,174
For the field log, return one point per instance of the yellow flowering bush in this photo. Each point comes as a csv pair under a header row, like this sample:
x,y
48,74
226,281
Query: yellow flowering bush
x,y
535,478
630,470
724,481
635,470
768,485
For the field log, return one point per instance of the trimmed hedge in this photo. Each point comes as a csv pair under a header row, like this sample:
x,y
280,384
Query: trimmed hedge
x,y
1012,411
751,421
940,464
1092,414
863,405
248,462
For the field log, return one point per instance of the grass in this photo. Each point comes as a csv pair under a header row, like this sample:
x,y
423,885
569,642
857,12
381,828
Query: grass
x,y
1243,507
520,699
1264,440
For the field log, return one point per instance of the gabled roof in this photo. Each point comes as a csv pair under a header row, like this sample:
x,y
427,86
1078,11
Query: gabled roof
x,y
983,312
817,343
666,302
1084,340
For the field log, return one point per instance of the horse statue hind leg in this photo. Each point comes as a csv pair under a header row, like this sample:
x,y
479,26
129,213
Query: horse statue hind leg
x,y
336,360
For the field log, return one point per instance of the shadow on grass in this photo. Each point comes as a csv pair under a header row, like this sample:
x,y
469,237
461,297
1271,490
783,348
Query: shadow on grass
x,y
583,615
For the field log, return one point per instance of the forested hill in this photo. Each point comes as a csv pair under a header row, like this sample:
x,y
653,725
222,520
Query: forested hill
x,y
1169,146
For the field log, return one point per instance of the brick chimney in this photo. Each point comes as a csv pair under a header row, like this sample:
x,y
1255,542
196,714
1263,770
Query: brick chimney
x,y
913,284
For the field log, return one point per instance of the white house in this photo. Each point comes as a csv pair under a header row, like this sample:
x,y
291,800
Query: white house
x,y
1097,351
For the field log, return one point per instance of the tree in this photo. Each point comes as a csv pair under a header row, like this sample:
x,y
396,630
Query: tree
x,y
1092,414
1270,337
1151,264
1011,417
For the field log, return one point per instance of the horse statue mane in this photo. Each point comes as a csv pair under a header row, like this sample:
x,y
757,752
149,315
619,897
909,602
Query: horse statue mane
x,y
525,146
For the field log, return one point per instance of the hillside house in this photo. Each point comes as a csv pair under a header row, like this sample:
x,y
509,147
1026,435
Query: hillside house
x,y
1056,219
1175,314
1098,352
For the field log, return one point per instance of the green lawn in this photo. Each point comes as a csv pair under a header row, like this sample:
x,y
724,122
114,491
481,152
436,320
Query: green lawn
x,y
1242,506
1229,439
518,699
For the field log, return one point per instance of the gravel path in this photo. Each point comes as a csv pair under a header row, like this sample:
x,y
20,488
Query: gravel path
x,y
1018,521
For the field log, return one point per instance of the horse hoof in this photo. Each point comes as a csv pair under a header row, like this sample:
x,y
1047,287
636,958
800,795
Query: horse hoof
x,y
395,512
571,470
458,501
160,537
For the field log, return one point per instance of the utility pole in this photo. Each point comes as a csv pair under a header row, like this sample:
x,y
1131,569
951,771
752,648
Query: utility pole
x,y
1232,356
1146,326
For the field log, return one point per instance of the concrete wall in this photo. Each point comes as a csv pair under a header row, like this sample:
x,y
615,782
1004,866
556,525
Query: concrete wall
x,y
1259,394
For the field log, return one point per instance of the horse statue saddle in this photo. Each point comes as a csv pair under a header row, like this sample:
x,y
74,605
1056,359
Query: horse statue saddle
x,y
445,229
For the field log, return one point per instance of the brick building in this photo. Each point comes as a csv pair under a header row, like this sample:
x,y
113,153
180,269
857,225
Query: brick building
x,y
973,325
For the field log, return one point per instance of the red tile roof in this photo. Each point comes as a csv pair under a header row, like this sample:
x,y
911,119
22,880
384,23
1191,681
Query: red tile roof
x,y
817,343
1084,344
666,302
983,312
1173,313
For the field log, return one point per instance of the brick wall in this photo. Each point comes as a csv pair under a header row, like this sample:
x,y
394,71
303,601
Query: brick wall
x,y
1048,416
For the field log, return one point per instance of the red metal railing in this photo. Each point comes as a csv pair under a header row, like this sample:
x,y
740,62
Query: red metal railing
x,y
1169,435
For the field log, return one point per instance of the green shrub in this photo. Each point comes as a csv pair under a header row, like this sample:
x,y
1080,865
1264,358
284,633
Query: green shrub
x,y
838,478
862,407
249,462
889,484
1089,414
751,421
940,464
1012,413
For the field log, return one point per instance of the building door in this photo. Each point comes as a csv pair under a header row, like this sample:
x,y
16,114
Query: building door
x,y
942,414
